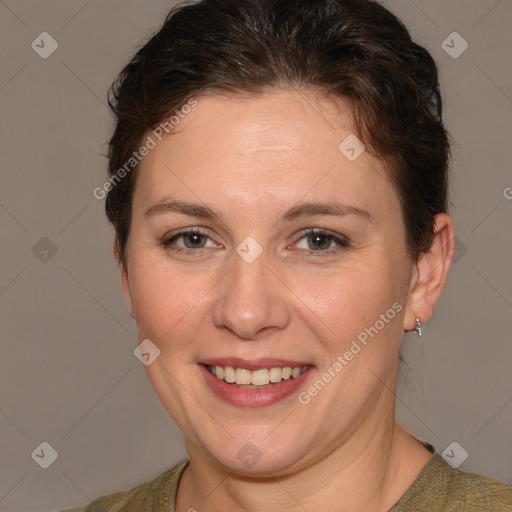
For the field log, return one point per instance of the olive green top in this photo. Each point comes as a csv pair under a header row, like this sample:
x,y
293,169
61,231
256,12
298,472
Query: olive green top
x,y
438,488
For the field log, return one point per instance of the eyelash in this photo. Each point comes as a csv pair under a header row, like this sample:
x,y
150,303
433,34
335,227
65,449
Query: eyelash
x,y
342,241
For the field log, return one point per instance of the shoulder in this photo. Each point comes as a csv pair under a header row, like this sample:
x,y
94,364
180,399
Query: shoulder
x,y
141,498
478,492
441,488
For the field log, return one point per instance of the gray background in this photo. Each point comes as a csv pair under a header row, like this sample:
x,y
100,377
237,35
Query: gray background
x,y
68,375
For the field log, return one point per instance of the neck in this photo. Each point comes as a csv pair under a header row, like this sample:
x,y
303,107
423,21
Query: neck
x,y
368,472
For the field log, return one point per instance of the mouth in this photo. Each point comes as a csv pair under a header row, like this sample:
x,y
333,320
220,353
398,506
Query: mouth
x,y
255,379
259,383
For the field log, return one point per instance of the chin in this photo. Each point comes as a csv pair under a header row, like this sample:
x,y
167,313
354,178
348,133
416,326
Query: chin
x,y
255,458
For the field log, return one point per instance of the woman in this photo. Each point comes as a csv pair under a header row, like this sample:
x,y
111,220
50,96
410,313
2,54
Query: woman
x,y
278,186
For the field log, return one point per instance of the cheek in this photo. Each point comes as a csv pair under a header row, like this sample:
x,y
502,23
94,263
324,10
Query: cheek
x,y
339,304
169,303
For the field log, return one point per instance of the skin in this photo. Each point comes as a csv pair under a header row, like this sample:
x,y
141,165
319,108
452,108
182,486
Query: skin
x,y
251,159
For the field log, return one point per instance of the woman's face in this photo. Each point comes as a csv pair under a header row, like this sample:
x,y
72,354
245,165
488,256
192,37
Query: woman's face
x,y
250,287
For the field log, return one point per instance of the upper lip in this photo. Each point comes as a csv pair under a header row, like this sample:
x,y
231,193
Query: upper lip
x,y
253,364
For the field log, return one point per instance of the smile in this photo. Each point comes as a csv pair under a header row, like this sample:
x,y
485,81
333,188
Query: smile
x,y
255,378
264,383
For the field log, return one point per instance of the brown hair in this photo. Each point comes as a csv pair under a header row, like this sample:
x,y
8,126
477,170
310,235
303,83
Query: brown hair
x,y
355,49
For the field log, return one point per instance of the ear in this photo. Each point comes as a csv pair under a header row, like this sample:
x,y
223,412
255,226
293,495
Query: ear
x,y
430,273
124,276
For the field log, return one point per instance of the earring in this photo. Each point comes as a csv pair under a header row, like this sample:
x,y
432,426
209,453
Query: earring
x,y
417,327
133,318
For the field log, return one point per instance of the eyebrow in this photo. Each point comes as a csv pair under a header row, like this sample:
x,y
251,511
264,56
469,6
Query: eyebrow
x,y
295,212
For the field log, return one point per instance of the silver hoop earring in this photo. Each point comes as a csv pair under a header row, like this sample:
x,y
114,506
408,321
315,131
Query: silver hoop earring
x,y
133,318
417,327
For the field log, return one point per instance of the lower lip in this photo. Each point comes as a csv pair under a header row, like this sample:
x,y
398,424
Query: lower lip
x,y
252,397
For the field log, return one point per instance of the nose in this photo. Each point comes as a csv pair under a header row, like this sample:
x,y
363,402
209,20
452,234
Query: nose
x,y
251,300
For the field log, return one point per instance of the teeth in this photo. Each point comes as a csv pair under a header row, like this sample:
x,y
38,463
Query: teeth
x,y
276,374
229,374
261,377
242,376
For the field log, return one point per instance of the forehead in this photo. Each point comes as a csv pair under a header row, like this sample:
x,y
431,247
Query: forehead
x,y
265,122
283,144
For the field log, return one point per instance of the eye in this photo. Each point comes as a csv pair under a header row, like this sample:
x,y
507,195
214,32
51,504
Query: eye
x,y
193,240
320,241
